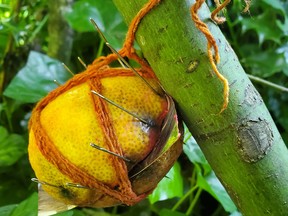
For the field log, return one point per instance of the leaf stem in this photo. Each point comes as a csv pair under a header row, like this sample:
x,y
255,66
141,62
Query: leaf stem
x,y
217,211
100,48
193,178
114,210
38,29
197,195
265,82
8,114
184,197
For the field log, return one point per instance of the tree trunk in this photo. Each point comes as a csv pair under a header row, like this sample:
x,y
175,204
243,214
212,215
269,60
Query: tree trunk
x,y
8,63
60,33
242,144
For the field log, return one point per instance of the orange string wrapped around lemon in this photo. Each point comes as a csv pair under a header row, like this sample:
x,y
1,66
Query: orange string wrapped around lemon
x,y
105,137
71,118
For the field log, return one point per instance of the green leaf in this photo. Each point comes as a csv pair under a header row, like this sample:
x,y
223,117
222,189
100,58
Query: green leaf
x,y
263,24
236,213
265,64
27,207
76,212
283,52
284,118
276,4
142,208
35,80
283,26
168,212
193,151
12,147
79,17
105,15
7,210
66,213
170,186
212,185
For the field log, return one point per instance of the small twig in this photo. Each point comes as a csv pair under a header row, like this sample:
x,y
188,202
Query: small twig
x,y
265,82
184,197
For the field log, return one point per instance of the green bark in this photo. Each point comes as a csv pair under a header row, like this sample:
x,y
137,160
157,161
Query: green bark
x,y
242,144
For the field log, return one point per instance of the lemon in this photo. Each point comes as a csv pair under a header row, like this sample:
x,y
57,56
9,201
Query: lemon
x,y
71,118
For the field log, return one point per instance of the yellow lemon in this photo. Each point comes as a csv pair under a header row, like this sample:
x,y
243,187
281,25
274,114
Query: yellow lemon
x,y
136,136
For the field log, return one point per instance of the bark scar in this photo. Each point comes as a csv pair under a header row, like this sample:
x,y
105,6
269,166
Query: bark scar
x,y
255,139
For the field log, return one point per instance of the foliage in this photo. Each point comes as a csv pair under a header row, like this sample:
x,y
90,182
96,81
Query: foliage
x,y
191,187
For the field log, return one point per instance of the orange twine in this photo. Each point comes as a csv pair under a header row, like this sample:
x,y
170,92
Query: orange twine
x,y
214,16
100,65
211,44
219,7
248,3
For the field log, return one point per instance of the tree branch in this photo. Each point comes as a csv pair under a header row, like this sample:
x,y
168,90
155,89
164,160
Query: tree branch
x,y
242,144
267,83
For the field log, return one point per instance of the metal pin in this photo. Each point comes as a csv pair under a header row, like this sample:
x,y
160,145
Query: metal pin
x,y
98,29
122,61
130,67
42,182
68,69
37,181
67,184
82,62
104,38
75,185
109,152
56,82
123,109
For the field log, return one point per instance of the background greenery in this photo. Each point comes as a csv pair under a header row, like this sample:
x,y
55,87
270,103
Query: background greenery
x,y
26,74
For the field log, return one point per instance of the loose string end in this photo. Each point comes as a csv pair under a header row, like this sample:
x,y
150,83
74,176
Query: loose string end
x,y
211,43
